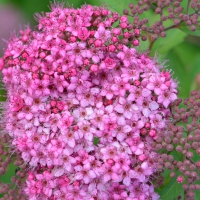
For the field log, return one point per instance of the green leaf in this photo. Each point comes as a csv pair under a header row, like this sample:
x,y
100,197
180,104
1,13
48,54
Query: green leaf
x,y
173,38
96,141
188,53
6,178
179,73
118,5
183,27
172,190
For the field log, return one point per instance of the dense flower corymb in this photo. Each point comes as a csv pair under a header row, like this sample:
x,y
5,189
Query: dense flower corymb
x,y
72,81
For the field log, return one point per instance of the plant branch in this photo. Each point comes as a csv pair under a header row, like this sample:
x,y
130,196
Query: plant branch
x,y
188,4
152,6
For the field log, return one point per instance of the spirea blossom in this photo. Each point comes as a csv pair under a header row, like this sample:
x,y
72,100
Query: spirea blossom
x,y
72,82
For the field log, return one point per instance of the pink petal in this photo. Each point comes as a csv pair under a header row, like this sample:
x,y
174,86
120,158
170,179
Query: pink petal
x,y
109,96
146,92
138,152
127,129
173,97
166,102
119,108
128,114
121,136
131,97
88,136
127,181
71,143
146,112
109,108
58,172
106,178
91,174
153,105
140,124
78,176
157,91
150,86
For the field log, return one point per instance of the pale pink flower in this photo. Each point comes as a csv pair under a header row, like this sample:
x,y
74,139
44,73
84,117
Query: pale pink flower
x,y
127,56
102,33
166,97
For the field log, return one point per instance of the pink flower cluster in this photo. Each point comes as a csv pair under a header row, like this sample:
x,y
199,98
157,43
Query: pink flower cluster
x,y
83,108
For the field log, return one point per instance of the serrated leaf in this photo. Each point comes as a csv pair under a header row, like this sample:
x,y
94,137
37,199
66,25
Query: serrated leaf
x,y
172,190
96,141
183,27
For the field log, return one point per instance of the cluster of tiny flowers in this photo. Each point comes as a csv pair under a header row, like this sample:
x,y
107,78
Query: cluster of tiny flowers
x,y
186,141
83,108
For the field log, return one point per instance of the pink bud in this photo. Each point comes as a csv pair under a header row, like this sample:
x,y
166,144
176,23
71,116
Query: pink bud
x,y
152,133
104,12
72,72
94,68
24,55
198,150
123,25
137,32
111,48
123,19
96,13
34,68
119,46
198,163
147,125
98,43
110,161
76,183
75,128
35,76
136,42
25,38
137,83
53,103
42,54
91,41
72,39
127,35
143,131
116,31
115,39
142,157
45,77
92,32
30,176
60,105
180,179
55,110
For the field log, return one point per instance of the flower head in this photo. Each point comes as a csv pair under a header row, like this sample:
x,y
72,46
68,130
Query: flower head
x,y
73,81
